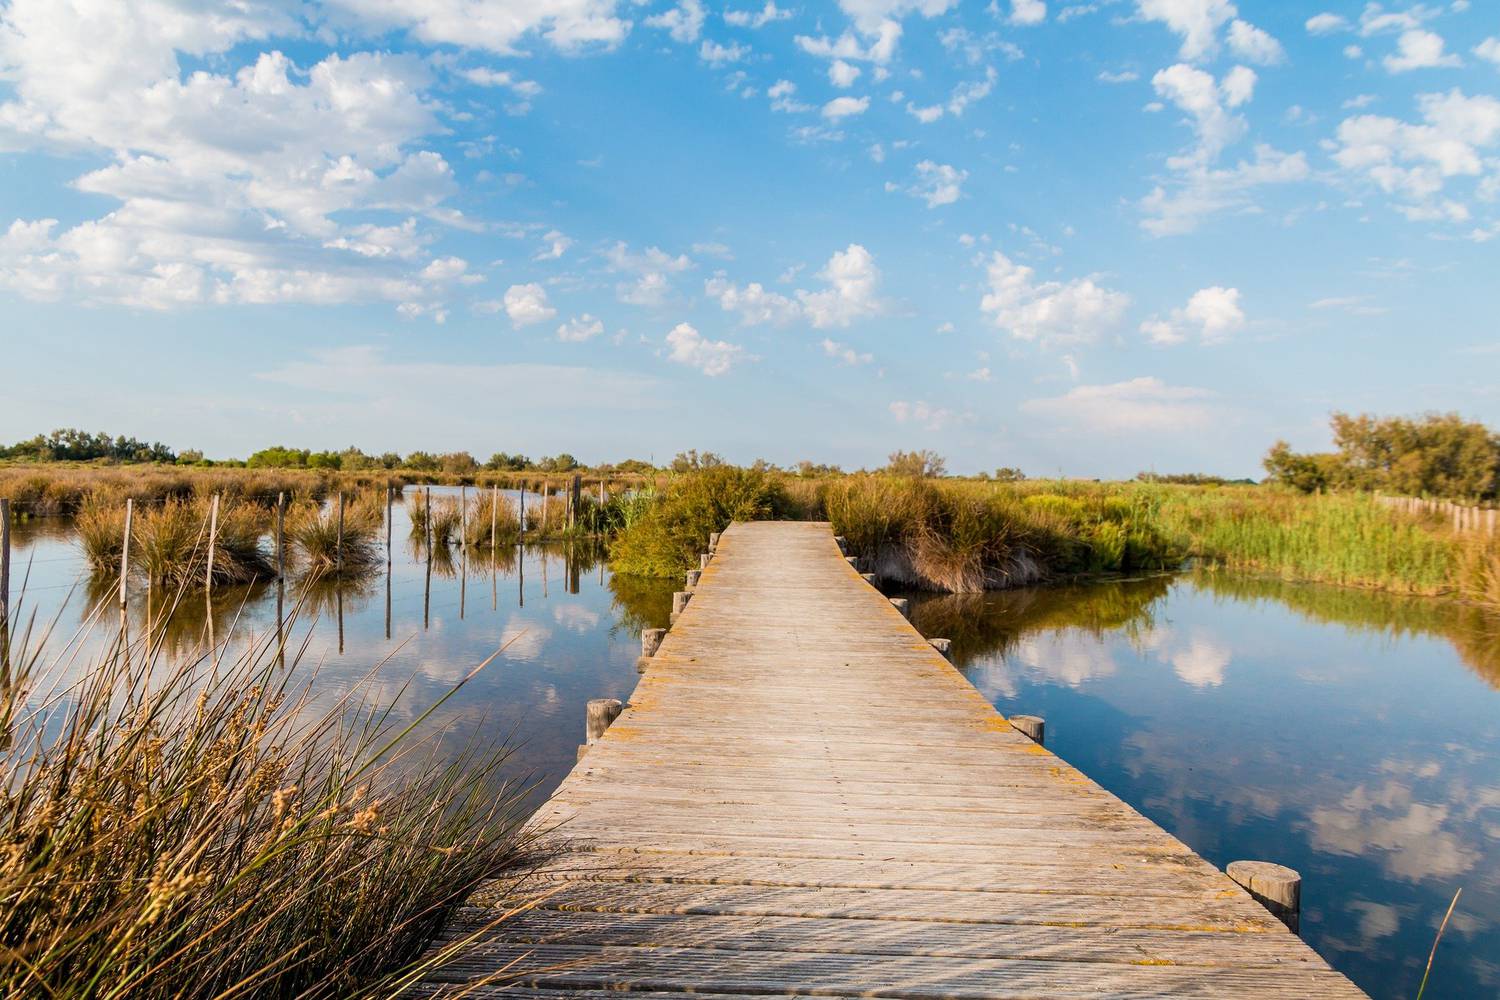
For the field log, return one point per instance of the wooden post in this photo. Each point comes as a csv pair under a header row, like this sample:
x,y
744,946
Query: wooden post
x,y
842,543
703,560
494,518
281,536
575,498
651,640
853,561
523,506
427,540
4,576
943,646
601,712
463,549
546,502
125,552
390,499
1030,725
679,602
338,548
693,576
713,541
213,534
902,605
868,578
1277,888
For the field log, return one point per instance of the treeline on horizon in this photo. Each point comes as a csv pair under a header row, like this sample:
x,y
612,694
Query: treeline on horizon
x,y
1439,455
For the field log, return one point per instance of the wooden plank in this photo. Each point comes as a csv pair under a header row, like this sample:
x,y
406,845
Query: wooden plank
x,y
803,798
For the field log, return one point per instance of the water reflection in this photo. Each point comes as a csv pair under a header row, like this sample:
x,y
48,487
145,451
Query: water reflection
x,y
1352,735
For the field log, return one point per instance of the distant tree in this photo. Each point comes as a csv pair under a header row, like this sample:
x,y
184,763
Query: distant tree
x,y
458,463
190,456
390,460
812,470
278,457
1009,474
503,462
687,461
70,445
634,465
324,460
922,464
561,462
421,461
351,459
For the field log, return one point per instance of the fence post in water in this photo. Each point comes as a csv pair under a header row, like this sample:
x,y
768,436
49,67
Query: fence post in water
x,y
390,497
1033,726
944,647
338,548
494,518
427,544
4,582
575,498
546,502
213,534
902,605
523,505
1277,888
281,535
125,553
601,712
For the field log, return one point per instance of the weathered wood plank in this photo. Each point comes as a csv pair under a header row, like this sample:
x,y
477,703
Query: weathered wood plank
x,y
804,798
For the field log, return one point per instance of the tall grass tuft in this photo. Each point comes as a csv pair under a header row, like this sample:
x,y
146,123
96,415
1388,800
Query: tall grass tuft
x,y
200,828
312,529
489,511
170,543
100,526
666,539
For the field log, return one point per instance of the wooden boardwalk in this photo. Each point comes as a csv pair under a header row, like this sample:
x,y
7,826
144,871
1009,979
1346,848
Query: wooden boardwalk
x,y
803,798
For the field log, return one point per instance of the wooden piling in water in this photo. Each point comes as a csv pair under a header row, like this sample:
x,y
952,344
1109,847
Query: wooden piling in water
x,y
902,605
390,500
1276,887
679,603
280,539
693,576
213,534
943,646
713,541
125,555
338,548
1033,726
600,713
5,578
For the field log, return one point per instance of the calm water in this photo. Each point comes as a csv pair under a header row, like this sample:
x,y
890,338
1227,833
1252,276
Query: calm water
x,y
1352,736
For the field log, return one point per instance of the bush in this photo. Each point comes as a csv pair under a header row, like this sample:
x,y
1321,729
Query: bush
x,y
666,539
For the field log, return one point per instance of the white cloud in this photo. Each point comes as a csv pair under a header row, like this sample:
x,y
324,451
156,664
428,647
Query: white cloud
x,y
1326,24
1025,12
842,74
684,23
1419,49
1140,404
711,357
715,54
781,97
926,115
527,304
1195,92
557,245
852,279
1254,45
651,286
845,354
483,76
1489,50
768,14
753,302
1417,162
1212,314
937,183
1200,192
580,328
844,107
1376,20
497,25
932,418
1124,76
1197,21
1049,312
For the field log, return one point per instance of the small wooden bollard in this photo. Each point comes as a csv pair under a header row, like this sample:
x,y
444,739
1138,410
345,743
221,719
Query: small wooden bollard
x,y
693,576
868,578
842,543
679,602
902,605
650,642
703,560
943,646
713,541
1033,726
601,712
1277,888
852,561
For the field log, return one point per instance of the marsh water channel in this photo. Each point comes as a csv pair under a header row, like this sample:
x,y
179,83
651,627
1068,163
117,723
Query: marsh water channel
x,y
1350,735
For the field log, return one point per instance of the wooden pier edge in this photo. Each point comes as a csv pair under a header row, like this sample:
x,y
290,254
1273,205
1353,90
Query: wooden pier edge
x,y
804,797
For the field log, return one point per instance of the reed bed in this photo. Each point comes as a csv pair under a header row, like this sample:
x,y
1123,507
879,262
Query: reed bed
x,y
169,541
493,522
327,550
57,490
199,828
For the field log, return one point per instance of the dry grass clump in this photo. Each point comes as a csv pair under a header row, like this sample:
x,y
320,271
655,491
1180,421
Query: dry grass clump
x,y
445,514
196,828
312,530
169,543
492,519
100,526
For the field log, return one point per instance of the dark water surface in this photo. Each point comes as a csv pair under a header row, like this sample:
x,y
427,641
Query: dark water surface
x,y
1352,736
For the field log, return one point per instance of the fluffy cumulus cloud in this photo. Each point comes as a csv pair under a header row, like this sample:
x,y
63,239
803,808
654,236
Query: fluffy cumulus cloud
x,y
1419,163
650,270
845,107
686,346
1211,315
228,186
936,183
527,304
1209,103
846,355
684,23
1145,404
580,328
1027,12
1420,49
923,414
1049,312
501,26
769,14
849,293
1489,50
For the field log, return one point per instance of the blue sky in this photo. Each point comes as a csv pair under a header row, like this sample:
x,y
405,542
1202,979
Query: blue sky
x,y
1087,238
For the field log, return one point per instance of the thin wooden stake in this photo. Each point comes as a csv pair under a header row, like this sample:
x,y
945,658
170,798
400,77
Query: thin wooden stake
x,y
213,536
5,589
463,549
338,549
390,499
427,586
125,553
281,536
